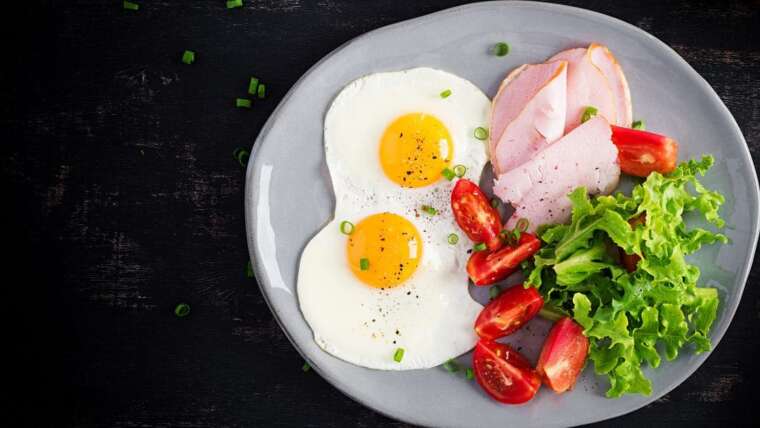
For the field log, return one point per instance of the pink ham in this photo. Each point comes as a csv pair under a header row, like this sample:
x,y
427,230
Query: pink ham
x,y
538,188
606,62
527,114
586,86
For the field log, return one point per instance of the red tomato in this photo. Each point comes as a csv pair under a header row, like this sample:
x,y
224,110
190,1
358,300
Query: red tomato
x,y
475,215
488,267
508,312
642,152
631,261
503,373
563,355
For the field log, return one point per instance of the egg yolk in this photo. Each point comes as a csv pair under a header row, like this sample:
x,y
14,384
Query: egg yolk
x,y
414,149
384,250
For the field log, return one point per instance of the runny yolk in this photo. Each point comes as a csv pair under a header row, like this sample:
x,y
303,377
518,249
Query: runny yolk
x,y
414,149
391,247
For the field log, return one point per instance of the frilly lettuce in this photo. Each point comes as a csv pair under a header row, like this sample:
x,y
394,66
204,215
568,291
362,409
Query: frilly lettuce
x,y
632,318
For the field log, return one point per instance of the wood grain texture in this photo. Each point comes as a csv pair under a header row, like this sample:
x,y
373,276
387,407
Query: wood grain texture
x,y
124,200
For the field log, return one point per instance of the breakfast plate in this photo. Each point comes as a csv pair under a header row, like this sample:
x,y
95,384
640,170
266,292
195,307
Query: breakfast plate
x,y
289,195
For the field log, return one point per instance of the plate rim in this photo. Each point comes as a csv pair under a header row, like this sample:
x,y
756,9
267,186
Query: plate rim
x,y
254,167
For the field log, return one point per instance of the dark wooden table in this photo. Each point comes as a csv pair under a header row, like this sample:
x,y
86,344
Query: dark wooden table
x,y
125,201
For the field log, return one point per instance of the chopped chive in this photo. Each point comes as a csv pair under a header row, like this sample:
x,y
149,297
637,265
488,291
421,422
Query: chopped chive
x,y
501,49
495,202
453,238
451,366
261,91
522,224
305,367
479,247
364,264
639,124
128,5
494,292
469,373
248,270
446,93
398,355
448,174
188,57
481,133
253,85
234,3
590,112
346,227
182,310
241,155
460,170
429,210
242,102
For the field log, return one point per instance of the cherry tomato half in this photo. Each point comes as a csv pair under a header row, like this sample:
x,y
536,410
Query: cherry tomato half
x,y
475,215
508,312
503,373
641,153
488,267
563,355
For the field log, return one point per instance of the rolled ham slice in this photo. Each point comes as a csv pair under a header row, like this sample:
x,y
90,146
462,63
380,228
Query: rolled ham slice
x,y
586,86
538,189
608,65
527,113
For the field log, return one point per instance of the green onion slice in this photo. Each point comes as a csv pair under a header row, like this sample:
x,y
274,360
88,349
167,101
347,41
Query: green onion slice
x,y
364,264
234,3
128,5
453,238
522,225
188,57
451,366
248,270
346,227
460,170
182,310
305,367
241,155
516,234
494,292
430,210
481,133
253,85
398,355
448,174
639,124
495,202
479,246
261,91
469,373
242,102
446,93
501,49
590,112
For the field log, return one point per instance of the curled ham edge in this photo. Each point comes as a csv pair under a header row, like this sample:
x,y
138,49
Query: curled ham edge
x,y
555,81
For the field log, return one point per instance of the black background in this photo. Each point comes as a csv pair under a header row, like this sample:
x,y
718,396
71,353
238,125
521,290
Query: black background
x,y
122,199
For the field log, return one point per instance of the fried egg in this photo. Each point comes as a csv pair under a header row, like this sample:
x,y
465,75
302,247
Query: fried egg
x,y
384,278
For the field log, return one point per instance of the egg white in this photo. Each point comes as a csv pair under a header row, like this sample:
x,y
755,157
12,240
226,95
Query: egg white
x,y
431,314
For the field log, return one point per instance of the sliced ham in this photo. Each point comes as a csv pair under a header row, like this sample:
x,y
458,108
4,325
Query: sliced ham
x,y
527,114
606,62
538,188
586,86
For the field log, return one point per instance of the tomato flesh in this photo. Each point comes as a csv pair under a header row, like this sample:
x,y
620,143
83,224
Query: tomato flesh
x,y
475,215
503,373
488,267
508,312
641,153
563,355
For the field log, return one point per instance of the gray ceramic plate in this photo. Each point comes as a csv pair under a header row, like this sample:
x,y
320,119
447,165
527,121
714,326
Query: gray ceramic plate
x,y
288,195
